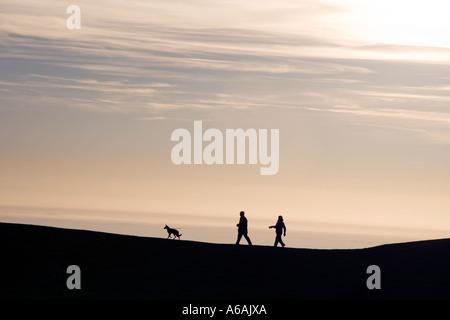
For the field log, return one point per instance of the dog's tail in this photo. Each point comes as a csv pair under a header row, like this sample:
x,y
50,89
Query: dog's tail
x,y
179,236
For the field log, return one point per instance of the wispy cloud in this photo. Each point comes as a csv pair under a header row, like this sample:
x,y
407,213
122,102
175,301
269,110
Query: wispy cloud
x,y
153,118
159,55
390,113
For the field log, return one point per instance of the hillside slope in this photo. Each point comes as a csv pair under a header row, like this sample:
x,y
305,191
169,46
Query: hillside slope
x,y
34,260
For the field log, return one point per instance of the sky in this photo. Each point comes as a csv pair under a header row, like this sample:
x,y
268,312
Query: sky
x,y
358,89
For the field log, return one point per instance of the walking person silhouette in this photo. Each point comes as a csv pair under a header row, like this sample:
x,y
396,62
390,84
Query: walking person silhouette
x,y
242,229
279,228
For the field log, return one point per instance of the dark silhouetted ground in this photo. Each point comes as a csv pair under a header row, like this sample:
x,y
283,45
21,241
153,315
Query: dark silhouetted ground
x,y
34,259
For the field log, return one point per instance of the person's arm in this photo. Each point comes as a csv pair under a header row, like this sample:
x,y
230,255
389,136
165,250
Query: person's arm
x,y
284,227
271,227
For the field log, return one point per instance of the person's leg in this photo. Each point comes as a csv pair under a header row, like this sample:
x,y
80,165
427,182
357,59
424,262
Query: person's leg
x,y
277,239
248,239
239,238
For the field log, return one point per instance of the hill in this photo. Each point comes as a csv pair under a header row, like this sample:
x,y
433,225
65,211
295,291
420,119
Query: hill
x,y
34,260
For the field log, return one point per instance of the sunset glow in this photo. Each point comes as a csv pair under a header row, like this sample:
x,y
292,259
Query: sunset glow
x,y
359,91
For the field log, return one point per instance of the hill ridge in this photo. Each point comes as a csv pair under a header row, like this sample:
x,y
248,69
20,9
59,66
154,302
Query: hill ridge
x,y
116,266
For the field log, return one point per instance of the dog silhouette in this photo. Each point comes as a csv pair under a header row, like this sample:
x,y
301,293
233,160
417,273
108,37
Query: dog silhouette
x,y
173,232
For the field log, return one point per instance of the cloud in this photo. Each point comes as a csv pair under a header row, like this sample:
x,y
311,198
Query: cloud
x,y
407,96
152,118
431,135
157,55
388,113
